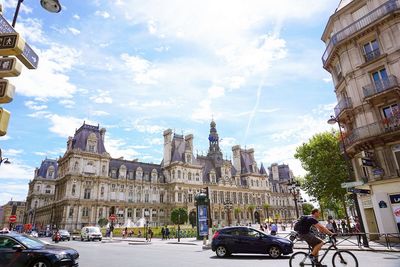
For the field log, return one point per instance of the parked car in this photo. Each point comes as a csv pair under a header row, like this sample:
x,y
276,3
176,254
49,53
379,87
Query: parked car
x,y
23,250
63,235
248,240
75,235
91,233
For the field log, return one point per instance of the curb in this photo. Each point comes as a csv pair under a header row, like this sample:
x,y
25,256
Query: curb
x,y
182,243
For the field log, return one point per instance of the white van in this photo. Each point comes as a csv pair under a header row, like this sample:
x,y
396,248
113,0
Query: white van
x,y
91,233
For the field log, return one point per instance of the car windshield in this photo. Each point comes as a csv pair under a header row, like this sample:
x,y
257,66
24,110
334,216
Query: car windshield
x,y
63,232
29,242
94,230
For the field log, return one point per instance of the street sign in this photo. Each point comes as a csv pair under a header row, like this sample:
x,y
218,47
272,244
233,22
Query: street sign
x,y
5,27
112,217
7,91
29,58
11,44
358,191
4,118
9,67
352,184
12,218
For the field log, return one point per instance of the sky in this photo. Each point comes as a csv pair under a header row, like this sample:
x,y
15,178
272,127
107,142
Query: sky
x,y
140,67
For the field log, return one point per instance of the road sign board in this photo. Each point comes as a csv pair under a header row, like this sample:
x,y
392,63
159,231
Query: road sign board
x,y
12,218
112,217
358,191
29,57
352,184
11,44
7,91
10,67
5,27
4,119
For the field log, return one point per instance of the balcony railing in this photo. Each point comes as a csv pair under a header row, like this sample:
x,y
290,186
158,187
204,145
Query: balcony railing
x,y
376,14
364,132
380,86
372,55
343,104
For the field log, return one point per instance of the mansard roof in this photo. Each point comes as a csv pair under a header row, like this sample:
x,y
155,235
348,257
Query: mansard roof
x,y
81,136
262,169
246,160
178,148
133,165
46,164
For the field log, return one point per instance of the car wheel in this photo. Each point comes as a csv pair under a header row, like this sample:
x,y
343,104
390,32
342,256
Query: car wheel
x,y
81,238
41,263
221,251
274,252
100,239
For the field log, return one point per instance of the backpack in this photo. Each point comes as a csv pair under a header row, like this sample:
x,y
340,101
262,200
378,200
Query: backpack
x,y
299,226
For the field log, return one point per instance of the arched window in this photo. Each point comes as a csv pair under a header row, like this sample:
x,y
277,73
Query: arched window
x,y
189,176
73,189
139,173
50,172
91,144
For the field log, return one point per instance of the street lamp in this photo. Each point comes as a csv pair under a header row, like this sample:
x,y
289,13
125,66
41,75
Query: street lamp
x,y
4,160
333,120
50,5
228,207
294,190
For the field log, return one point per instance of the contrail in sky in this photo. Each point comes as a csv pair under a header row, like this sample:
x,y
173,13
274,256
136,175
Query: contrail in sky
x,y
253,112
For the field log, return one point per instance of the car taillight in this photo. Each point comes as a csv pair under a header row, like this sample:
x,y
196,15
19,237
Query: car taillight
x,y
216,235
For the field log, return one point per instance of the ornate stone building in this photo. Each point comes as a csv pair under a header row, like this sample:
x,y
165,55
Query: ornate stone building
x,y
87,184
362,53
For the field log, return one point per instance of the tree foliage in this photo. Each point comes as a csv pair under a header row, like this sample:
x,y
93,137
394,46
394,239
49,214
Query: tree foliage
x,y
179,215
307,208
102,222
326,168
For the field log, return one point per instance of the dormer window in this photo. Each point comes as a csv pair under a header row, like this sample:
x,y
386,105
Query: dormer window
x,y
48,189
50,172
91,143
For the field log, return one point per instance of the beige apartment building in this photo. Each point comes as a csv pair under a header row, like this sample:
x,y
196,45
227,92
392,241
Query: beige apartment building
x,y
16,208
363,55
87,184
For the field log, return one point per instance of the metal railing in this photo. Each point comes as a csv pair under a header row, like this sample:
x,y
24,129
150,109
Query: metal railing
x,y
376,14
363,132
372,55
343,104
380,86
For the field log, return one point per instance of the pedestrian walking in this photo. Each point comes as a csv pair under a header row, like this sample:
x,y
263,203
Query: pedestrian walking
x,y
162,233
149,234
357,231
167,233
343,223
274,229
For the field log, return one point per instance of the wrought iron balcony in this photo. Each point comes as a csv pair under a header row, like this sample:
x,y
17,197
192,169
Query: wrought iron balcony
x,y
363,132
372,55
373,16
380,86
343,104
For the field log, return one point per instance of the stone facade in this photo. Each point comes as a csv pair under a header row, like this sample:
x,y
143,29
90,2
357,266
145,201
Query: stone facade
x,y
87,184
16,208
362,54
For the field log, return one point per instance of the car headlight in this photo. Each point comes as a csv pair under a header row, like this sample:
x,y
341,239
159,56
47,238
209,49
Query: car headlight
x,y
62,256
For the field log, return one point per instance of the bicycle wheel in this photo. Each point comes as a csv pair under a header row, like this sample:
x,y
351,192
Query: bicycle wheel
x,y
344,258
300,259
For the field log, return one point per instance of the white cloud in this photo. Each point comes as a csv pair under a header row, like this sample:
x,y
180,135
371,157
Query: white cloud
x,y
15,171
143,126
102,97
74,31
99,113
77,17
144,72
68,103
32,105
118,148
65,126
11,152
103,14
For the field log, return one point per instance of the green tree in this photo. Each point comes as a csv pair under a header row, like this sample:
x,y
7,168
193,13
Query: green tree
x,y
179,216
266,208
326,168
237,212
251,208
307,208
102,222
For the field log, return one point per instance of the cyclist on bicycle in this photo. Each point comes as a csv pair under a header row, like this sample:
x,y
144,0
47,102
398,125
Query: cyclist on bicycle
x,y
305,233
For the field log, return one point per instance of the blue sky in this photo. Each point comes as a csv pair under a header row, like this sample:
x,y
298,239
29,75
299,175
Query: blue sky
x,y
140,67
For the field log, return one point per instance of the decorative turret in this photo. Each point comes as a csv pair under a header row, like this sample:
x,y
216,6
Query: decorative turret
x,y
214,150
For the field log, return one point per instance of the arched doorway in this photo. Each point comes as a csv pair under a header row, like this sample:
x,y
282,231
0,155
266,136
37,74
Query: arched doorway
x,y
257,217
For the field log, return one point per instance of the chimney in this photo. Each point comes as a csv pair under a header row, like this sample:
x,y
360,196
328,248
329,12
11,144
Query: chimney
x,y
167,146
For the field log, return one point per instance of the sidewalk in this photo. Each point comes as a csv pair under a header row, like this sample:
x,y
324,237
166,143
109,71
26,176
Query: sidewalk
x,y
133,240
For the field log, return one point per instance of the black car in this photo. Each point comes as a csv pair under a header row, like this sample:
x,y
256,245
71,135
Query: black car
x,y
19,250
248,240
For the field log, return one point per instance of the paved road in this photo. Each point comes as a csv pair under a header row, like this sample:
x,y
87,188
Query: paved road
x,y
160,254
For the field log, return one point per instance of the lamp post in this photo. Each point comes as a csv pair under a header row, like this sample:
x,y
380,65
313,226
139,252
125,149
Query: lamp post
x,y
3,160
50,5
294,190
333,120
228,208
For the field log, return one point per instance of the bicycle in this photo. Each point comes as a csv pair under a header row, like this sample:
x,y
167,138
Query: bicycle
x,y
340,258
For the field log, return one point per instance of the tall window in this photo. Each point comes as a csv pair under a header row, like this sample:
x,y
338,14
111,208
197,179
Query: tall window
x,y
390,111
102,191
85,212
179,197
162,198
189,176
48,189
380,79
146,198
91,143
190,198
179,174
73,189
87,194
71,212
371,50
